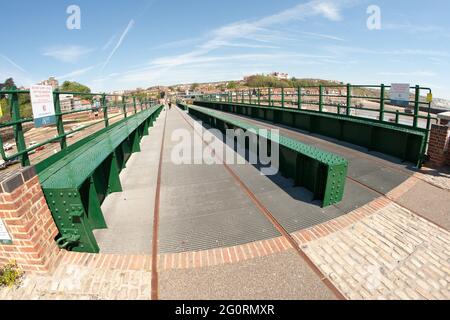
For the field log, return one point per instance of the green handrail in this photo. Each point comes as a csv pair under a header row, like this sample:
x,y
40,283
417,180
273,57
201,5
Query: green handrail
x,y
322,96
17,121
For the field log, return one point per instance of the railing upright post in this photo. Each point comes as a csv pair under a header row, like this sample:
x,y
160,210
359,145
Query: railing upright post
x,y
349,98
320,98
259,96
134,105
299,98
382,96
242,96
105,110
18,130
270,97
59,119
397,117
282,97
249,97
124,106
416,107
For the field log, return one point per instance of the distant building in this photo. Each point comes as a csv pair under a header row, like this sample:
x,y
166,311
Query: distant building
x,y
66,102
280,75
50,82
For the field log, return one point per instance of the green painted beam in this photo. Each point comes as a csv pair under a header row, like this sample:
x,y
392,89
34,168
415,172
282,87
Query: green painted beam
x,y
76,181
321,172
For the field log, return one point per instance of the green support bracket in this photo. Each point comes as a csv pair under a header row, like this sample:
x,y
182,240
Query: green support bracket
x,y
134,137
114,184
95,214
146,132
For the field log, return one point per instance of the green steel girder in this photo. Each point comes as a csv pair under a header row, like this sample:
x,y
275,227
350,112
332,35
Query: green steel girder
x,y
77,181
403,142
323,173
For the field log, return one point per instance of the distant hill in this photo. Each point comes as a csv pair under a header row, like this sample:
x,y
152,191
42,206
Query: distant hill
x,y
441,104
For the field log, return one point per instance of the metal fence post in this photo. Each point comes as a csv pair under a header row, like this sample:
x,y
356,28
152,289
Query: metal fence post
x,y
320,98
105,110
416,107
349,98
124,106
134,105
259,96
299,98
249,97
382,94
59,119
18,130
270,97
282,97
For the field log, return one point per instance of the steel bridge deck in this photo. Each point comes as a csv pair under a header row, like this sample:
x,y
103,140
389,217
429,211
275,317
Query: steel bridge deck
x,y
202,206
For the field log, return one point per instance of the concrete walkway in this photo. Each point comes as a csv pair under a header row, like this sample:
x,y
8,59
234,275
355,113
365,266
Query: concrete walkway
x,y
129,214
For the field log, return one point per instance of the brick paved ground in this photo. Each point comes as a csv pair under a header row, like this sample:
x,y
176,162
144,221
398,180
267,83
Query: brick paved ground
x,y
88,277
390,254
380,251
439,178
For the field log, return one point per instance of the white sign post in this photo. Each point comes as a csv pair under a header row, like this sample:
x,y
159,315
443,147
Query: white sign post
x,y
42,104
5,238
399,94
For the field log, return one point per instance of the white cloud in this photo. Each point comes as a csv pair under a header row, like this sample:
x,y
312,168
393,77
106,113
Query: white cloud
x,y
329,10
409,74
342,50
70,53
408,26
76,73
13,63
107,45
119,43
322,36
257,34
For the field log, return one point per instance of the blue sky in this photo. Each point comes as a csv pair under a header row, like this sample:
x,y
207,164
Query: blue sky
x,y
139,43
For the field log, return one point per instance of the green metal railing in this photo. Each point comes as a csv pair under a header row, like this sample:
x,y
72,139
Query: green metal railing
x,y
127,105
353,101
363,101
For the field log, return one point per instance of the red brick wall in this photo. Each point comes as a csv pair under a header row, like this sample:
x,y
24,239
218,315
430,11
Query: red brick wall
x,y
439,145
29,222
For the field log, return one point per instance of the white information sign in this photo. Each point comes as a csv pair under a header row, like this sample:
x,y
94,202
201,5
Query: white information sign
x,y
42,104
399,94
5,238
